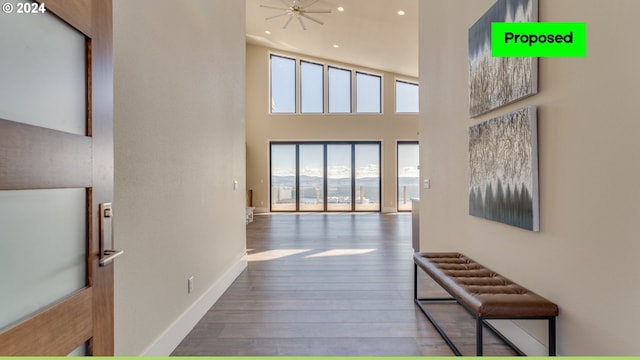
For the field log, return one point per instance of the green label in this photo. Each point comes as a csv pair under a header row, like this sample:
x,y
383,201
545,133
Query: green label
x,y
538,39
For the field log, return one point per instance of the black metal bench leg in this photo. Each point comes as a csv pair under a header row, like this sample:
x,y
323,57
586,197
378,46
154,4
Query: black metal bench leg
x,y
479,336
415,281
552,336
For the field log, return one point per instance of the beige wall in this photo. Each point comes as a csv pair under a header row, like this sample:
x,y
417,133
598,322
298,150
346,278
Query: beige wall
x,y
584,258
263,127
180,144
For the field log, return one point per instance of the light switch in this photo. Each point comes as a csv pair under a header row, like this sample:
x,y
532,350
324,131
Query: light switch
x,y
235,185
426,184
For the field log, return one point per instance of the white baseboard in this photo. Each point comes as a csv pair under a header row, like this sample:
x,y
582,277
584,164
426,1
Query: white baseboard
x,y
520,338
173,336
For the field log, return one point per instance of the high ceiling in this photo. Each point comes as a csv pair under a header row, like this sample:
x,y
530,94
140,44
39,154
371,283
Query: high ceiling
x,y
368,33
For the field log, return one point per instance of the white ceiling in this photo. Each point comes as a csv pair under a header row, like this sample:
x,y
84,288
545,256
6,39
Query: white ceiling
x,y
369,33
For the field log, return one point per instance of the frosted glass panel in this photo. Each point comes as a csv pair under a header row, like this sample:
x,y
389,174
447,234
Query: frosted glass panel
x,y
42,249
82,350
42,67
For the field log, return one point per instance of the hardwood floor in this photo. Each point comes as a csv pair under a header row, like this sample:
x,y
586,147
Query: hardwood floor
x,y
330,285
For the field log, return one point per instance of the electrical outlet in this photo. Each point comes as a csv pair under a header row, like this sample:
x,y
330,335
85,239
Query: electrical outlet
x,y
190,285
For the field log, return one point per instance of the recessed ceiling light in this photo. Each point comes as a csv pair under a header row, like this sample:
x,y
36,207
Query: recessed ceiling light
x,y
401,12
336,46
340,8
267,32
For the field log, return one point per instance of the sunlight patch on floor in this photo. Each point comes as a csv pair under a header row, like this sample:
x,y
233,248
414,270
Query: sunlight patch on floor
x,y
275,254
282,253
341,252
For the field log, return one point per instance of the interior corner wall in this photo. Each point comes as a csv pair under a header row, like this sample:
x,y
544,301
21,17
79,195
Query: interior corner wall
x,y
179,79
263,127
585,256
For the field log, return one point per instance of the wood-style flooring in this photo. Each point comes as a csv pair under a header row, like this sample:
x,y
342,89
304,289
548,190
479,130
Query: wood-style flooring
x,y
330,285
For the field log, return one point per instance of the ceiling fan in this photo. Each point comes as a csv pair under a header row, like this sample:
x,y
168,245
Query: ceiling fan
x,y
297,9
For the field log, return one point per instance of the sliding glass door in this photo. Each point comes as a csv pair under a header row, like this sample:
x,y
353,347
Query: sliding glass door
x,y
367,166
408,174
339,178
284,177
325,176
311,165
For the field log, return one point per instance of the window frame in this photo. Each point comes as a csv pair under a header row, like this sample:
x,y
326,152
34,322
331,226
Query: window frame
x,y
324,81
380,91
351,92
295,84
395,97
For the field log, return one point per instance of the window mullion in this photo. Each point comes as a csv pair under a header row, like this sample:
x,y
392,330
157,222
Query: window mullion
x,y
297,177
353,177
326,181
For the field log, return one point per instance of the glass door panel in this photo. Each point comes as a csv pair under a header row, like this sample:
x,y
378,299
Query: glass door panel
x,y
339,178
367,165
311,165
283,177
43,74
408,174
42,264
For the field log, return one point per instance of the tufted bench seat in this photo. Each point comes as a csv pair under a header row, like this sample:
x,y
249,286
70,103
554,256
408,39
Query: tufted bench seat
x,y
483,293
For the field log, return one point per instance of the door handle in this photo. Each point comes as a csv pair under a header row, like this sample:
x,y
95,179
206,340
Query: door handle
x,y
107,253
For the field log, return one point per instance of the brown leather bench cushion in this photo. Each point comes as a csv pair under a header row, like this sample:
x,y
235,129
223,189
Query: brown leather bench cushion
x,y
485,292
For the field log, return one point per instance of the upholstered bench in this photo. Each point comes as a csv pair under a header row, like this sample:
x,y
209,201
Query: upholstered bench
x,y
484,294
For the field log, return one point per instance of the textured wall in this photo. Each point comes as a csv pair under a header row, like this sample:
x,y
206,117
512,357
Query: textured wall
x,y
180,144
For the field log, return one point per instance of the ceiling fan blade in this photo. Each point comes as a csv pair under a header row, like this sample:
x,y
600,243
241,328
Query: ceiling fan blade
x,y
309,4
301,23
287,23
275,16
274,8
286,3
318,11
312,19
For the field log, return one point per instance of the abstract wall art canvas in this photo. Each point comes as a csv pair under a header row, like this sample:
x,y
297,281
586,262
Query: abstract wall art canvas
x,y
495,82
503,167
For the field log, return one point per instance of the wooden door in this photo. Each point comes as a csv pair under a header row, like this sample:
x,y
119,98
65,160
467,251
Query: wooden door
x,y
38,158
